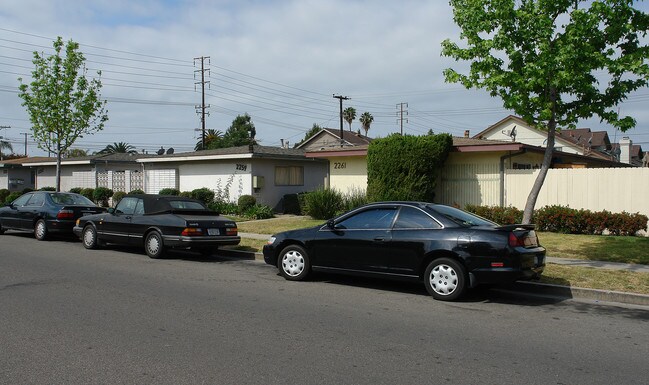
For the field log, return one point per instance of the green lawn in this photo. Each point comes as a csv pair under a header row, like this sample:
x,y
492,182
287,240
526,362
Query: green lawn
x,y
596,247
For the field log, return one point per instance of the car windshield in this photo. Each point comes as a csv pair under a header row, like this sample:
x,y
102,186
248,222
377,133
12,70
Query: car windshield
x,y
70,199
186,205
461,217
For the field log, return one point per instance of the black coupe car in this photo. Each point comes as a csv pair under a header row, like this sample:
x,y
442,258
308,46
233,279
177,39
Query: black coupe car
x,y
449,249
158,222
45,212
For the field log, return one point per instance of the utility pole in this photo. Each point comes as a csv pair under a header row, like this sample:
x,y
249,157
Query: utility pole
x,y
341,98
201,109
400,114
25,133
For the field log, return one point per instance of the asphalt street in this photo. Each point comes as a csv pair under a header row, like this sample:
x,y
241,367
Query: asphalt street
x,y
114,316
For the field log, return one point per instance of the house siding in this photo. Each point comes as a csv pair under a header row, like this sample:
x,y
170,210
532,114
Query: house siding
x,y
348,174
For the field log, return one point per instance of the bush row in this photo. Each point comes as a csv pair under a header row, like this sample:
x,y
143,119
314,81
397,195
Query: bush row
x,y
562,219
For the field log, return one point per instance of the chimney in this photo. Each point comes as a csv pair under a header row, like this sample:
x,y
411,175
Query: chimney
x,y
466,133
625,150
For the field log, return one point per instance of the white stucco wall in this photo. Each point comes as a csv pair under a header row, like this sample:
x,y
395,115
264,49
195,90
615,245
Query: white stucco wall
x,y
348,174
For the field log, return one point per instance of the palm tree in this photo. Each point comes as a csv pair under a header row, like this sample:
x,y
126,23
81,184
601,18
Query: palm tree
x,y
349,114
212,137
366,120
5,145
118,148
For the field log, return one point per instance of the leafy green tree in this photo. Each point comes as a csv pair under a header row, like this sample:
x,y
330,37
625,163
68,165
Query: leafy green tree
x,y
212,140
62,103
552,62
241,132
366,120
75,153
349,114
118,148
314,130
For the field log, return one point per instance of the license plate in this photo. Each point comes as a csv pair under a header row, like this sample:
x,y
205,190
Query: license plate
x,y
213,232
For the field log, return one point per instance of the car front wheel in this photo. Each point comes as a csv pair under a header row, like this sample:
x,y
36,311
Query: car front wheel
x,y
445,279
40,230
153,245
294,263
90,237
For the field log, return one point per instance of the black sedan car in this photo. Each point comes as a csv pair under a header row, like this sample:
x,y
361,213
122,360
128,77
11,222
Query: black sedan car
x,y
158,222
46,212
449,249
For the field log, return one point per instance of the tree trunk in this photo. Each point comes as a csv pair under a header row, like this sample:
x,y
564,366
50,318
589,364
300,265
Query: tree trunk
x,y
545,166
58,167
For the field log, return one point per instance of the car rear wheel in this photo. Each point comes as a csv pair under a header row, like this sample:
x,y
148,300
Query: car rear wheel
x,y
445,279
90,237
40,230
153,245
294,263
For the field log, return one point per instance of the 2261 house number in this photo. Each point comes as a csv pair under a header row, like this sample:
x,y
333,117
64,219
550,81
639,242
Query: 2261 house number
x,y
340,165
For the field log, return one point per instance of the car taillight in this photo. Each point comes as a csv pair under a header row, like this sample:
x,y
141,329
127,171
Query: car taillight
x,y
191,232
231,231
65,214
515,241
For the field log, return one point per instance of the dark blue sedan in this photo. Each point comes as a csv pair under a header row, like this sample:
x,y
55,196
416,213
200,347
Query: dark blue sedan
x,y
448,249
46,212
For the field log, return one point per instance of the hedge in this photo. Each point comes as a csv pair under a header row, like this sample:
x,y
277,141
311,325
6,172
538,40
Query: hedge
x,y
562,219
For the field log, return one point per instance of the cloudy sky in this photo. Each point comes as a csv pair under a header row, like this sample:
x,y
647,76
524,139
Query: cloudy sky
x,y
279,61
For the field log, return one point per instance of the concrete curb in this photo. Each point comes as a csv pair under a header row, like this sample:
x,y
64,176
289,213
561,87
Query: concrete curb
x,y
519,288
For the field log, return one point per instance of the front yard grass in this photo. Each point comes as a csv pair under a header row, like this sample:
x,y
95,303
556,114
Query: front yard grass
x,y
596,247
586,247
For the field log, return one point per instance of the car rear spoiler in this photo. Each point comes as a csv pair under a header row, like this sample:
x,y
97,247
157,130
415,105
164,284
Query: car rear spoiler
x,y
519,226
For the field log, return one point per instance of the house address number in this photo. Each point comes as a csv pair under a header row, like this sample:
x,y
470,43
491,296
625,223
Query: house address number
x,y
242,167
340,165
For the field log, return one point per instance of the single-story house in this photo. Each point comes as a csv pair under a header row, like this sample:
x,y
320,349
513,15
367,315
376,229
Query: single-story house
x,y
267,173
15,177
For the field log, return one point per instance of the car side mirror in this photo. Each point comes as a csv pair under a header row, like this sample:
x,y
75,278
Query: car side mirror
x,y
331,224
111,210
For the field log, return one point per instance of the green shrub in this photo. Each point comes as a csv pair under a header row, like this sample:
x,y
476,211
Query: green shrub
x,y
12,197
501,215
354,198
87,192
203,194
27,189
169,191
561,219
185,194
323,203
101,195
117,196
291,205
136,191
245,202
76,190
258,211
405,167
47,188
4,193
224,207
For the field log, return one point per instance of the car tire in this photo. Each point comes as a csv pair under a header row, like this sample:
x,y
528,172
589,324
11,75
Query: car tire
x,y
294,263
40,230
153,245
89,237
445,279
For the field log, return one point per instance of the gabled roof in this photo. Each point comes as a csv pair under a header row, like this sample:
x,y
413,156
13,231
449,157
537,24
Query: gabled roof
x,y
90,159
584,136
350,138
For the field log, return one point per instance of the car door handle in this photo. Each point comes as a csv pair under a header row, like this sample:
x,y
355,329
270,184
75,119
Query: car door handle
x,y
379,239
128,217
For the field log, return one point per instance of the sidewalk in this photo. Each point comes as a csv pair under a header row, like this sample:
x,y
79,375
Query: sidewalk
x,y
542,289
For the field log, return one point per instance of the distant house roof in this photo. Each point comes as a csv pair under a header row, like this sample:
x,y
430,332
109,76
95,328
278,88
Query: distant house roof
x,y
350,138
104,158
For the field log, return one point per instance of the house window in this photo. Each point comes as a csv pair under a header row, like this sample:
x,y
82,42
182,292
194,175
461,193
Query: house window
x,y
289,176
